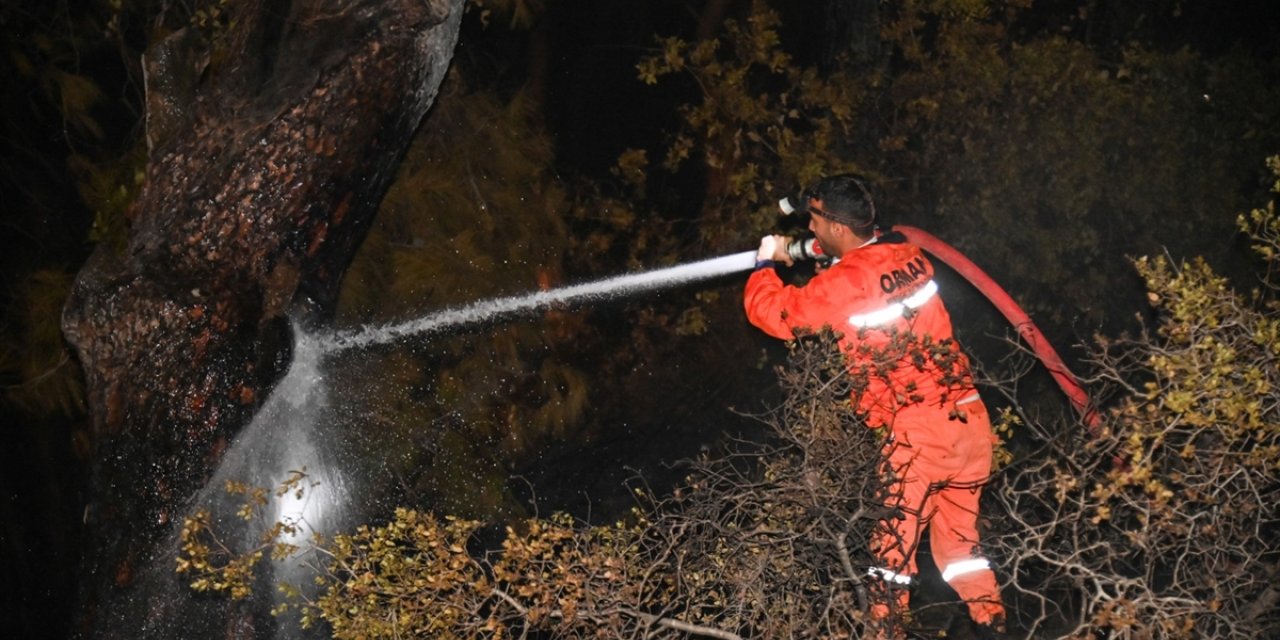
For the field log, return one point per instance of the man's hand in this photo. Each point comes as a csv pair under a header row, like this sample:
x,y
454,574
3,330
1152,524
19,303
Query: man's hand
x,y
768,247
774,248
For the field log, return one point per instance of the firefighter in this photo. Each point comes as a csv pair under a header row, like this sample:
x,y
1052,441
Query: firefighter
x,y
910,378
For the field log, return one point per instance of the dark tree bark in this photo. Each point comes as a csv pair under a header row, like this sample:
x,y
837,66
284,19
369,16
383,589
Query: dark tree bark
x,y
269,151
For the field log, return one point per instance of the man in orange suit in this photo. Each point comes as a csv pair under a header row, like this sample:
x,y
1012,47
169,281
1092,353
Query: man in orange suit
x,y
911,379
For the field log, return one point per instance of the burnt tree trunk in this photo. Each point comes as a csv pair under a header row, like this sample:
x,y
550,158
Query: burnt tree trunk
x,y
271,140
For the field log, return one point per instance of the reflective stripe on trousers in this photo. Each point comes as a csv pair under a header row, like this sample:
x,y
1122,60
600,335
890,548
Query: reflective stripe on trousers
x,y
953,570
957,569
891,577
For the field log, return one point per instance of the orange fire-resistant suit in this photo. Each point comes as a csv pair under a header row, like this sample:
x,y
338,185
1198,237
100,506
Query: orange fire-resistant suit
x,y
896,335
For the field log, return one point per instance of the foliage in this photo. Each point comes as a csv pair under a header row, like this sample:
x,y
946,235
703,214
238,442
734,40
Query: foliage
x,y
1092,151
762,125
1053,159
219,568
1163,524
518,14
50,383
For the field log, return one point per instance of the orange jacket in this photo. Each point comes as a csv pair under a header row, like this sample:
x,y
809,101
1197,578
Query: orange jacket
x,y
895,332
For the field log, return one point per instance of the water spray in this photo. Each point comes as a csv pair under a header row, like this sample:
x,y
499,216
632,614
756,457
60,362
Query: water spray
x,y
486,309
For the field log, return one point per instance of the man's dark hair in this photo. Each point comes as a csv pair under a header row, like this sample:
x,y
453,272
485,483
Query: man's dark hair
x,y
845,199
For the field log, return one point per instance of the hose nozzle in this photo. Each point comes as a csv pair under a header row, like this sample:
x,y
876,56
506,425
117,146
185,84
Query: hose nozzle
x,y
806,249
801,248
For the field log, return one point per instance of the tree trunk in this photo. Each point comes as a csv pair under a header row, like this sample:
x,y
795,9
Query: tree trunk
x,y
269,152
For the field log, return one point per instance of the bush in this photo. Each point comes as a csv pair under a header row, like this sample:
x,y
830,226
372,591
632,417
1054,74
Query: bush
x,y
1164,525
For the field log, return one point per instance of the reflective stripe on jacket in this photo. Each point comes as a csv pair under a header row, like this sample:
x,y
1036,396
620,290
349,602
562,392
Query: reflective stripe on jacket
x,y
882,299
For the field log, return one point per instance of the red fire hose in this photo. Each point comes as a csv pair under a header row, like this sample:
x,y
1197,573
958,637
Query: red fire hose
x,y
1013,313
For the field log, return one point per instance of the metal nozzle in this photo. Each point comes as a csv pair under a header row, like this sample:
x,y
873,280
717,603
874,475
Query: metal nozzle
x,y
806,249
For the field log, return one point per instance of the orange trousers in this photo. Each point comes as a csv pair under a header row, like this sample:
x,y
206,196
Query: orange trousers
x,y
940,463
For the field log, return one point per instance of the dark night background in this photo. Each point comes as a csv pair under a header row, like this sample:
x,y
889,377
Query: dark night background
x,y
593,109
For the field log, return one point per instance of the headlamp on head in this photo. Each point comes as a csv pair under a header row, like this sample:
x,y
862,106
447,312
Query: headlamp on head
x,y
843,199
791,204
